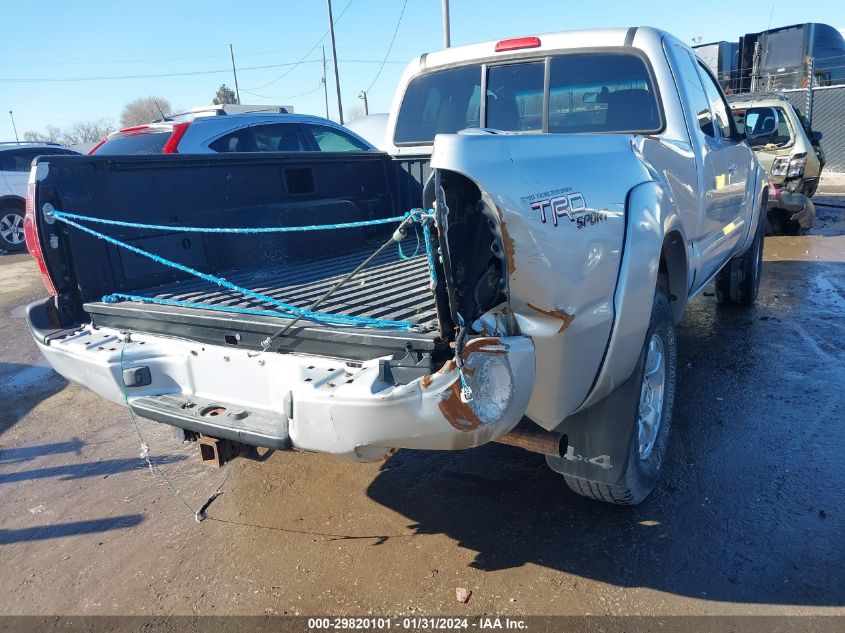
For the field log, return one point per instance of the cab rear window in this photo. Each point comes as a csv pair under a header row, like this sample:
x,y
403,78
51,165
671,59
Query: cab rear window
x,y
136,143
585,92
443,102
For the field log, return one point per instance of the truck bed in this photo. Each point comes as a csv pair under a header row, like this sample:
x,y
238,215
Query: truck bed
x,y
390,288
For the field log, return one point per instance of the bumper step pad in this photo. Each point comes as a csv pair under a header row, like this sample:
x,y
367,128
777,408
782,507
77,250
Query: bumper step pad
x,y
256,427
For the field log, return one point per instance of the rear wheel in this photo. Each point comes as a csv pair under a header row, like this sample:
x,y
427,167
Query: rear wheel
x,y
653,416
739,281
11,229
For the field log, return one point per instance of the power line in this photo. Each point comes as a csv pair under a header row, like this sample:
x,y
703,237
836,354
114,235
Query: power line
x,y
197,57
147,76
390,46
296,96
304,57
187,73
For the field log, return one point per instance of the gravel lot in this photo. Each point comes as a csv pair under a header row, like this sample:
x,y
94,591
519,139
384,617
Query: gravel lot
x,y
748,517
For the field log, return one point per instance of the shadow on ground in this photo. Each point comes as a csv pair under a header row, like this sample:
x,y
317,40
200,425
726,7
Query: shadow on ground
x,y
749,508
74,528
13,455
82,470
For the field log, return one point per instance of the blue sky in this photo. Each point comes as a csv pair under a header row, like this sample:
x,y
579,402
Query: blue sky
x,y
53,40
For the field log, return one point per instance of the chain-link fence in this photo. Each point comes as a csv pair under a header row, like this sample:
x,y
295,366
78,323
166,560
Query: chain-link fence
x,y
828,117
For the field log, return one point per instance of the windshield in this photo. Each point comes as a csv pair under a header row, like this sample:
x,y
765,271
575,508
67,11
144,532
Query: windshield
x,y
587,92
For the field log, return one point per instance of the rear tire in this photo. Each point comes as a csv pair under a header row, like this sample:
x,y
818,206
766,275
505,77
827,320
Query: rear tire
x,y
650,437
739,281
11,229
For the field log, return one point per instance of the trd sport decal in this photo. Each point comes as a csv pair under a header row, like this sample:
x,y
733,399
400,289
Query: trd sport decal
x,y
567,205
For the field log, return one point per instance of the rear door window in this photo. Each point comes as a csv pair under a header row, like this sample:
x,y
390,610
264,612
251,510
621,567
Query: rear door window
x,y
331,140
238,141
136,143
281,137
18,160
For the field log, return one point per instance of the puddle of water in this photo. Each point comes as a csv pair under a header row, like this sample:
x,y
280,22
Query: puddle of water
x,y
805,248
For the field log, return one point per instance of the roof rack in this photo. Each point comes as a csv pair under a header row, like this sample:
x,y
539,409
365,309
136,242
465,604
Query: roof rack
x,y
26,143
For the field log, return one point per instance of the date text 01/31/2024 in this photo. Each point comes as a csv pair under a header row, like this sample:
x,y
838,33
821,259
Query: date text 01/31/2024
x,y
416,623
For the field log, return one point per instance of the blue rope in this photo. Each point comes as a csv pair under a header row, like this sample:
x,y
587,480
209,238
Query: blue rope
x,y
416,248
429,250
319,317
64,215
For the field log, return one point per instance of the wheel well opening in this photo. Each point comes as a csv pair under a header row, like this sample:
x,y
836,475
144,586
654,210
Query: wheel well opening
x,y
475,255
12,201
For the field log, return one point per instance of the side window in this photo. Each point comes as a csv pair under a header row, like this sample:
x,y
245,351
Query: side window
x,y
330,140
238,141
18,160
690,84
515,97
280,137
721,111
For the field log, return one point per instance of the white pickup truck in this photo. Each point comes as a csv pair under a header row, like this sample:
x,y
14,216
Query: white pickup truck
x,y
585,186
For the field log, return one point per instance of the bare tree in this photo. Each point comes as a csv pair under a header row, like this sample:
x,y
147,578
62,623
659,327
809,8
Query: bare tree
x,y
87,131
79,132
51,134
144,110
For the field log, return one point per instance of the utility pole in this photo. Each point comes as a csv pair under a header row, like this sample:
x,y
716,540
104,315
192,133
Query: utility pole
x,y
755,66
808,105
235,73
14,127
363,95
325,83
447,38
334,57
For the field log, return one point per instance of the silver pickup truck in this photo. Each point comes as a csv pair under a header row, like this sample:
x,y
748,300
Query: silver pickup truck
x,y
583,187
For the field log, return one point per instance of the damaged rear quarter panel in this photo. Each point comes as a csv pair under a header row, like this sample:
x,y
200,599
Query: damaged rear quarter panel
x,y
562,271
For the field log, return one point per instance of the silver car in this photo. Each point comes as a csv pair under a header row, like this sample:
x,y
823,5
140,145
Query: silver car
x,y
15,159
260,132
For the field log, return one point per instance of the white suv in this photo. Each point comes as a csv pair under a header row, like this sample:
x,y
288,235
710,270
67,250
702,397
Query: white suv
x,y
15,159
258,132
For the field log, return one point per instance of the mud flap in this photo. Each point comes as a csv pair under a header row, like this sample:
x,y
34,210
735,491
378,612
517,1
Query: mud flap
x,y
598,439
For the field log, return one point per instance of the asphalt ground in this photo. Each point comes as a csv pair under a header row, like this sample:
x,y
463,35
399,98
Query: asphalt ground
x,y
747,517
